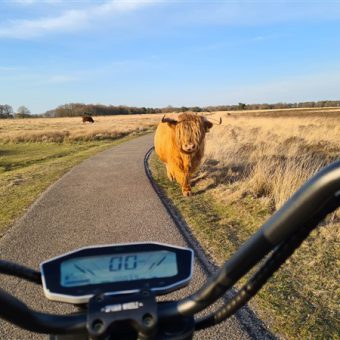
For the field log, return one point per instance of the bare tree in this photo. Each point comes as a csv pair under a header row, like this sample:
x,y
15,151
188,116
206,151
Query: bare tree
x,y
23,112
6,111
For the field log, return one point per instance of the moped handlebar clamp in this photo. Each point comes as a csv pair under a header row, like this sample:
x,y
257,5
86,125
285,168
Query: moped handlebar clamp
x,y
131,315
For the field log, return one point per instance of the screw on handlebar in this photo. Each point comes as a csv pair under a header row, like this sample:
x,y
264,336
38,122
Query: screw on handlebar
x,y
99,298
97,325
148,320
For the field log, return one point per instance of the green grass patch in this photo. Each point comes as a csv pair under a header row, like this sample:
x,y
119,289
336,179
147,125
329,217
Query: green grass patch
x,y
301,300
27,169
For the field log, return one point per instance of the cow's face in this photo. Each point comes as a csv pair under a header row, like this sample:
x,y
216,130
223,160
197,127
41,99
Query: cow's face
x,y
190,130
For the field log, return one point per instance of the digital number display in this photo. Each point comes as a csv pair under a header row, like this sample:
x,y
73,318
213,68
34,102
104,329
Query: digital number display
x,y
89,270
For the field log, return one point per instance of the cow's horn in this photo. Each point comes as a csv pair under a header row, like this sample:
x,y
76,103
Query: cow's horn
x,y
219,121
169,120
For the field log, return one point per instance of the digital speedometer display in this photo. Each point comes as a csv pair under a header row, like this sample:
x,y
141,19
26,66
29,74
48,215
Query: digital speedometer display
x,y
125,267
116,269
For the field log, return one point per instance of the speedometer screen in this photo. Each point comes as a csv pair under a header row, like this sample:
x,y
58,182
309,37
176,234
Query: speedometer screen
x,y
89,270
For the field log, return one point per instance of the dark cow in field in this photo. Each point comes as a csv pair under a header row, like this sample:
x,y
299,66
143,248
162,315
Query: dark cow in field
x,y
179,143
87,119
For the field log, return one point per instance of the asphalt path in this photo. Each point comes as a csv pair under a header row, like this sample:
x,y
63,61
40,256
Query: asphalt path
x,y
105,199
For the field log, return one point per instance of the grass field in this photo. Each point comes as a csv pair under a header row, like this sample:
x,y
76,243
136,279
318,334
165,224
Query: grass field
x,y
34,153
71,129
253,163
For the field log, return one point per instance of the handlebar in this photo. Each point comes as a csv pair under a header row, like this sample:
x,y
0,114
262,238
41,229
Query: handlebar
x,y
281,235
19,314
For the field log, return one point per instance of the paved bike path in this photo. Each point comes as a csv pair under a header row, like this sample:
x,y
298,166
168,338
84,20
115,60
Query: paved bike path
x,y
105,199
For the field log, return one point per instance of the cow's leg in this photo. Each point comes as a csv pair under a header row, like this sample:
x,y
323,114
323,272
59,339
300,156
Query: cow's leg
x,y
183,179
186,189
169,173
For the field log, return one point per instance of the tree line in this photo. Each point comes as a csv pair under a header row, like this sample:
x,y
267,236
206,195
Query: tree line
x,y
79,109
6,111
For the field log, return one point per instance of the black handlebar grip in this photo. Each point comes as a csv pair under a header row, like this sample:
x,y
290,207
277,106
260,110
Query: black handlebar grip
x,y
16,312
14,269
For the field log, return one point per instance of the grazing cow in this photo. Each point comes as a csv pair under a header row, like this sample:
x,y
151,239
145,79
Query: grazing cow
x,y
87,119
179,143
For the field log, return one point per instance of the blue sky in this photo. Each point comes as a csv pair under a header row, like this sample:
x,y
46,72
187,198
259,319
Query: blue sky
x,y
168,52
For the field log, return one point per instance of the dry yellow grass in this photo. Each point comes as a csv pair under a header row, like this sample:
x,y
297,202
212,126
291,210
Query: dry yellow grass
x,y
267,158
270,156
72,129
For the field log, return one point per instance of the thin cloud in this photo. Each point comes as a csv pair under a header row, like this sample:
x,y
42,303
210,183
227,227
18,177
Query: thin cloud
x,y
9,68
254,13
62,79
175,13
35,2
289,89
24,2
70,20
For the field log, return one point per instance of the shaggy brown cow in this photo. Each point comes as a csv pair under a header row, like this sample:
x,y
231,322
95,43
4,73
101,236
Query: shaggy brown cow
x,y
179,143
87,119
